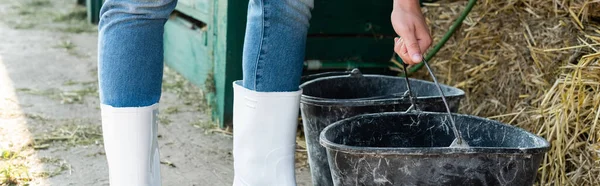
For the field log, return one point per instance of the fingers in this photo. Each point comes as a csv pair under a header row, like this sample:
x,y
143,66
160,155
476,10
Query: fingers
x,y
404,53
423,37
412,45
403,50
407,47
411,49
400,49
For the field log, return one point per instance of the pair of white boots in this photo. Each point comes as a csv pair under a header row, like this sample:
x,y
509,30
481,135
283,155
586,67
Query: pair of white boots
x,y
264,139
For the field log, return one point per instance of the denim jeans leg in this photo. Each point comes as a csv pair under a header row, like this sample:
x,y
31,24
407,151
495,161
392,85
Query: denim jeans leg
x,y
130,51
275,43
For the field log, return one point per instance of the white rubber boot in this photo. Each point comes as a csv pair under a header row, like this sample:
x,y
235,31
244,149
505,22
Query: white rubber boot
x,y
264,137
130,142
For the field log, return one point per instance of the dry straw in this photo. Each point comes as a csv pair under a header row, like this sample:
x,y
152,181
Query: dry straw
x,y
534,64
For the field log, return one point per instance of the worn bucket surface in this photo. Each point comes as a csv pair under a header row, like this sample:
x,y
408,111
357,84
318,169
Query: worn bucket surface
x,y
329,99
412,149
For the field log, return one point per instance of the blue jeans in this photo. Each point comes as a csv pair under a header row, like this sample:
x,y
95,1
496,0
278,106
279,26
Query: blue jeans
x,y
130,48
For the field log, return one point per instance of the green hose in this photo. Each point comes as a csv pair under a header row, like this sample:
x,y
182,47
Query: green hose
x,y
446,37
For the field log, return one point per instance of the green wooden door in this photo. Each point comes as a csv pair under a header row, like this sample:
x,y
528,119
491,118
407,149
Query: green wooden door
x,y
204,39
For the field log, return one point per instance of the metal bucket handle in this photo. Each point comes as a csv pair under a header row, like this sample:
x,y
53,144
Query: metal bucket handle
x,y
351,73
413,102
459,139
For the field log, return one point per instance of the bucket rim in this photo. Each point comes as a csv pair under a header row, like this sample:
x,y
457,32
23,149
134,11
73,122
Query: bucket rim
x,y
543,147
378,100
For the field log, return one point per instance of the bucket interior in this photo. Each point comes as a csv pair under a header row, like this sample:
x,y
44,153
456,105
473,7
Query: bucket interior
x,y
425,130
346,87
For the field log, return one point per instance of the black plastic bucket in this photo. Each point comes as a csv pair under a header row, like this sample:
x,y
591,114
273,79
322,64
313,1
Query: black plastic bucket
x,y
329,99
412,149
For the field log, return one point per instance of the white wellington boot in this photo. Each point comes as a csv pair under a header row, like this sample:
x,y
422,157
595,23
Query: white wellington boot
x,y
130,142
264,137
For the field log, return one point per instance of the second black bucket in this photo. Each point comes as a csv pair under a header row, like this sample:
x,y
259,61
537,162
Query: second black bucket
x,y
395,148
326,100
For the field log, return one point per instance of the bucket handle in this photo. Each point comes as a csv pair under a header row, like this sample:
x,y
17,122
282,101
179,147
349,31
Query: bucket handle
x,y
413,102
353,73
458,136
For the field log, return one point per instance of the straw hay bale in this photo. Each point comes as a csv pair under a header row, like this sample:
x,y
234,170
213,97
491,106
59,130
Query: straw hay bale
x,y
534,64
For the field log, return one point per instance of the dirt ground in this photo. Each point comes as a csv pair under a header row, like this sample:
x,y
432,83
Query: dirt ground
x,y
49,110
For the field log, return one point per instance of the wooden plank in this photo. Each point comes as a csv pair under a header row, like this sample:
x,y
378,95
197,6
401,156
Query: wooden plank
x,y
219,47
186,51
93,10
367,49
228,53
203,6
189,3
200,10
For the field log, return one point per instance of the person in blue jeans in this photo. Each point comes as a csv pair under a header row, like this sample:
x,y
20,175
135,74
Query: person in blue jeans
x,y
266,101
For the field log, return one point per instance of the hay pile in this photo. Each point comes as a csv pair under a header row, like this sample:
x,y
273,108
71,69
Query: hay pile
x,y
534,64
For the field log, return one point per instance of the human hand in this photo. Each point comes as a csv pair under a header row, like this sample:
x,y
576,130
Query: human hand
x,y
409,24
